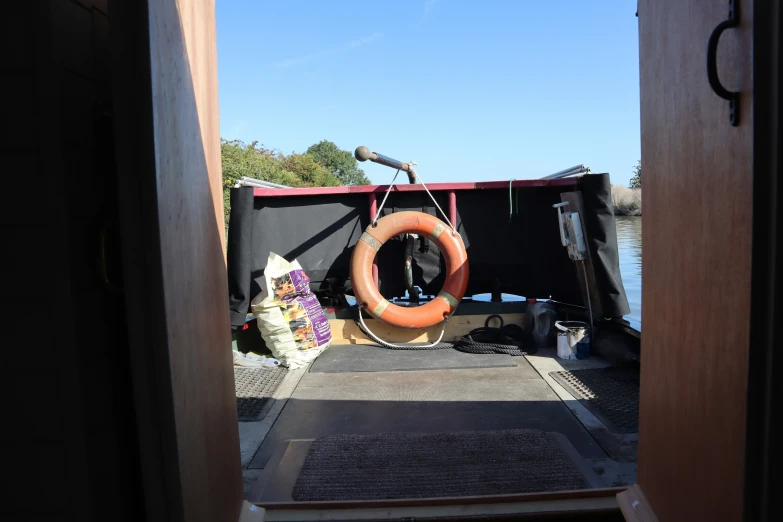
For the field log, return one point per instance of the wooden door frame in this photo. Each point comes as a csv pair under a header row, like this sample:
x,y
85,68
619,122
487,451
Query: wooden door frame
x,y
766,252
142,263
763,392
150,367
170,489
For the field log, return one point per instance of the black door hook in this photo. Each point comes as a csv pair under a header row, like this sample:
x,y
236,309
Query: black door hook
x,y
712,66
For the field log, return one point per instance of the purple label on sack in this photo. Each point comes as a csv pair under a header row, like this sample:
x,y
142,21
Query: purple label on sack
x,y
301,281
318,319
318,330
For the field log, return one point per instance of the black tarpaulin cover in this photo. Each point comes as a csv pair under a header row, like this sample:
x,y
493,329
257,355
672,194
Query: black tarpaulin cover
x,y
521,252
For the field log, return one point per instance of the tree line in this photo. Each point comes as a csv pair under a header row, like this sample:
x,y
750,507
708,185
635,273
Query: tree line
x,y
323,165
636,179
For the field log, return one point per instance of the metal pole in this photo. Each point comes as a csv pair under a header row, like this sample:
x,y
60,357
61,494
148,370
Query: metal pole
x,y
373,211
453,207
245,181
578,169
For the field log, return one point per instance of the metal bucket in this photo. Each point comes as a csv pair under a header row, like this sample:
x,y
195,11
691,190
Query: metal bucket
x,y
573,339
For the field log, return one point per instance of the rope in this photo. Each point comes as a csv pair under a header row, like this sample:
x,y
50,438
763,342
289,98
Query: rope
x,y
490,349
378,213
433,346
445,217
506,339
416,175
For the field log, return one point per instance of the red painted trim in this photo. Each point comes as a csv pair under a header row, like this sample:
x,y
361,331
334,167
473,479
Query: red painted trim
x,y
373,205
373,211
453,207
434,187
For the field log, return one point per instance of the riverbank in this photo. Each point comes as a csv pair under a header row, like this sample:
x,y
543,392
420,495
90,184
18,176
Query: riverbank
x,y
626,201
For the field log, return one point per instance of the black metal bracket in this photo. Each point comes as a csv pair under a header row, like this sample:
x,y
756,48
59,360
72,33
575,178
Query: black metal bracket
x,y
712,65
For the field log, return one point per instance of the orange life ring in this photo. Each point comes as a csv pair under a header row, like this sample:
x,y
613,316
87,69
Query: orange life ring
x,y
450,244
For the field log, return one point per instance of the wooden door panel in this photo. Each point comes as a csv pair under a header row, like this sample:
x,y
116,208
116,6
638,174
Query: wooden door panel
x,y
696,232
190,213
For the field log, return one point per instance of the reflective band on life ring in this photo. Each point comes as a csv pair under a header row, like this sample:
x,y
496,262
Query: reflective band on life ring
x,y
451,247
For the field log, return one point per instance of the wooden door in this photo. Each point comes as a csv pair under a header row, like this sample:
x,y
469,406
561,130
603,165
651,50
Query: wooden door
x,y
176,285
696,231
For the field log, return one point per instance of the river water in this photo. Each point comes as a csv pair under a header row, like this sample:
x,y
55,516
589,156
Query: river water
x,y
629,242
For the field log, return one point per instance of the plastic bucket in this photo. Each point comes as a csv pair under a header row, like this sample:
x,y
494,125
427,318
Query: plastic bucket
x,y
573,339
540,322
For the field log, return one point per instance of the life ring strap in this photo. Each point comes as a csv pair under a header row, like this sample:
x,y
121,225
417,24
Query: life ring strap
x,y
450,299
380,308
371,241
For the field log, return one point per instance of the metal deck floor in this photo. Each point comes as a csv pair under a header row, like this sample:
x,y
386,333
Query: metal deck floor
x,y
426,401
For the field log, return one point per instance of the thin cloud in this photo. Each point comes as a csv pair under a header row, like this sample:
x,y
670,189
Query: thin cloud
x,y
353,44
429,5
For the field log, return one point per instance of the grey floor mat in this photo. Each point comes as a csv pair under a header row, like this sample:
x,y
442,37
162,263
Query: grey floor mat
x,y
611,394
255,389
312,418
368,358
422,465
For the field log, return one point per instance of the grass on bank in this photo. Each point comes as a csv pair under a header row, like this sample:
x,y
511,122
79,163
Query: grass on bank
x,y
626,201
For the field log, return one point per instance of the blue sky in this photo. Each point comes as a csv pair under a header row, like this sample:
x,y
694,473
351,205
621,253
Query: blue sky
x,y
472,91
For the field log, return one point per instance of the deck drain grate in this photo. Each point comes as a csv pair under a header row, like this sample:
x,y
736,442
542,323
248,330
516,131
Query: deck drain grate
x,y
255,389
611,394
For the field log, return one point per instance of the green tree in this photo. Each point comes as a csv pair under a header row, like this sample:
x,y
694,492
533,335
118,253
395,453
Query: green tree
x,y
253,161
636,179
308,171
340,162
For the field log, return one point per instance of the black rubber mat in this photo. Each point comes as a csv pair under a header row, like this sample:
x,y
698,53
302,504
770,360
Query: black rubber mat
x,y
368,358
255,388
423,465
611,394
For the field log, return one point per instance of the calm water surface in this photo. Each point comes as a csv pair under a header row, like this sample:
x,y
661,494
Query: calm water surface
x,y
629,241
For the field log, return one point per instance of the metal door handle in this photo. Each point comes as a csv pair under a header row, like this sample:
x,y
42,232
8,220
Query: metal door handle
x,y
712,65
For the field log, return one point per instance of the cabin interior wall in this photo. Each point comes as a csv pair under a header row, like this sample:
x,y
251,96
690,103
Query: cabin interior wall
x,y
69,434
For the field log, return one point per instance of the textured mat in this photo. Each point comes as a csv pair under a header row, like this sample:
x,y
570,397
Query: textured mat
x,y
456,400
368,358
422,465
255,388
611,394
